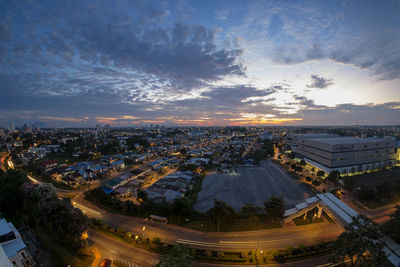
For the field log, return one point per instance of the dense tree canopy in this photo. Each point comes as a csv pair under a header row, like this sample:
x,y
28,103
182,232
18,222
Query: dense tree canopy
x,y
275,208
38,205
393,225
179,256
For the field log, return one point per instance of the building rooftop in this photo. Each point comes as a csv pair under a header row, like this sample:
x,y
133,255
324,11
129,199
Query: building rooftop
x,y
349,140
322,135
10,247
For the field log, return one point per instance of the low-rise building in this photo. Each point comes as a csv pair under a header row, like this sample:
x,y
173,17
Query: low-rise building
x,y
48,165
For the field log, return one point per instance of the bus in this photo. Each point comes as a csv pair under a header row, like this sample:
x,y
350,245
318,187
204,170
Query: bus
x,y
157,218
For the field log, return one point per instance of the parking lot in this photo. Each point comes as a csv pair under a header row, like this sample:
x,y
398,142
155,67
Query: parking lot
x,y
252,185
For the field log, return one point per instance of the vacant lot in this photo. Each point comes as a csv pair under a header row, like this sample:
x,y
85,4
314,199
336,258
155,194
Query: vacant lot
x,y
370,180
253,185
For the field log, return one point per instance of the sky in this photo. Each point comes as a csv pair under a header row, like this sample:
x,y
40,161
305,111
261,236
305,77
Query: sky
x,y
132,63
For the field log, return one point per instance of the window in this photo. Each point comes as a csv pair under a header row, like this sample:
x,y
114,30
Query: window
x,y
23,255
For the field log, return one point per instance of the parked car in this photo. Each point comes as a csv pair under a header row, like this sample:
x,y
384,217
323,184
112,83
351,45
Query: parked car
x,y
105,263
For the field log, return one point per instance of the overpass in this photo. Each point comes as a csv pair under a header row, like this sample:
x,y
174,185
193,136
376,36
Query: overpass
x,y
342,214
335,208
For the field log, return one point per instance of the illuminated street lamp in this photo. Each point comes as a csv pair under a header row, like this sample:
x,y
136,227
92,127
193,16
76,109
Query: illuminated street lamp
x,y
85,236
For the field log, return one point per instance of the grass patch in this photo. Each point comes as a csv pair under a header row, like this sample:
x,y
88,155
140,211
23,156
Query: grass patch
x,y
310,219
300,221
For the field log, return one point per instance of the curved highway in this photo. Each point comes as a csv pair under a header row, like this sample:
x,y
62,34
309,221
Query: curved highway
x,y
264,239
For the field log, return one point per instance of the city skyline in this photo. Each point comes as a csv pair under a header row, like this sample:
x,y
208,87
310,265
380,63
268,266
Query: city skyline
x,y
125,63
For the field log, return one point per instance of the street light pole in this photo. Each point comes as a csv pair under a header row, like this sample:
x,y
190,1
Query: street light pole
x,y
258,243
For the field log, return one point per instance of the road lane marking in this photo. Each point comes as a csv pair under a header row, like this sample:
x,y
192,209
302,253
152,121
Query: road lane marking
x,y
207,244
237,242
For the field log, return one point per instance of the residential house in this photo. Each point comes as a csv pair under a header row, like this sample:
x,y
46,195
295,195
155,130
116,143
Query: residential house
x,y
48,165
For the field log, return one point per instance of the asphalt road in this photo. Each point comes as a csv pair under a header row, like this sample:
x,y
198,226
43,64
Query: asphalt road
x,y
268,239
253,185
113,249
134,257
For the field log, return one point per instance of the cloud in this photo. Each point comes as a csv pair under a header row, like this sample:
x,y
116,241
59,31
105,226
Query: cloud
x,y
361,34
236,95
319,82
127,50
351,114
79,120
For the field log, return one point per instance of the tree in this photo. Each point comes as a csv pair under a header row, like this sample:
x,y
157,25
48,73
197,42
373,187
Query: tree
x,y
220,212
58,216
393,225
316,183
384,190
333,176
349,183
274,208
360,243
298,169
179,256
141,194
11,192
251,212
365,194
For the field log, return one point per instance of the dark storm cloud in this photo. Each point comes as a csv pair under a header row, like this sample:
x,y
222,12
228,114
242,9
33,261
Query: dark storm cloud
x,y
364,34
380,54
56,42
319,82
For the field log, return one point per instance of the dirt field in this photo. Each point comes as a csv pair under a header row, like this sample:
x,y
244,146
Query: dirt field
x,y
253,185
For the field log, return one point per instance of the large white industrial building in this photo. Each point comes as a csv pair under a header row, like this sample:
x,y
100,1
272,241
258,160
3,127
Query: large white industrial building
x,y
331,152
